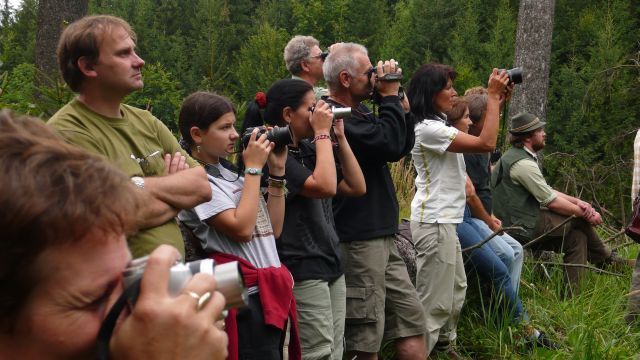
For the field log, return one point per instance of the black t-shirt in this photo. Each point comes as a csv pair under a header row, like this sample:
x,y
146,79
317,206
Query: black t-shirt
x,y
309,244
480,175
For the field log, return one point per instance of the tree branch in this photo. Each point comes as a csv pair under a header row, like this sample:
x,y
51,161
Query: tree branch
x,y
577,265
475,246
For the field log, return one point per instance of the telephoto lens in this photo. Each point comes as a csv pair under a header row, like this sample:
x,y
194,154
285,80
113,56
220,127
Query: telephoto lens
x,y
515,75
280,136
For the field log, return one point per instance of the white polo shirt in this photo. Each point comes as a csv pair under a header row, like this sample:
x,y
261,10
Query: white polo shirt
x,y
440,185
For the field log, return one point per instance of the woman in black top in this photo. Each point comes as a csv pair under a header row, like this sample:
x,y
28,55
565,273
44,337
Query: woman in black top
x,y
308,245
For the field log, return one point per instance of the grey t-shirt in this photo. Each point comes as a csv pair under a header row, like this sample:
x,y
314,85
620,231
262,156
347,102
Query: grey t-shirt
x,y
260,251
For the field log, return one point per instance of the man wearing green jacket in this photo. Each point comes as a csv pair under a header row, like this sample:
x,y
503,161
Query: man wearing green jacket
x,y
523,198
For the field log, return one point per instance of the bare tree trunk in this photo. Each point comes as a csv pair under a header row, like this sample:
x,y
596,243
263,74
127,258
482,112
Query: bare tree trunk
x,y
53,17
533,53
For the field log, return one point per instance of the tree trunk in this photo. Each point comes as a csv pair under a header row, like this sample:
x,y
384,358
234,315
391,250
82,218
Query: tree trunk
x,y
53,17
533,54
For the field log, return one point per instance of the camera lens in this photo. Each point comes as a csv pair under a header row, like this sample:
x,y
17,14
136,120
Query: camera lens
x,y
515,75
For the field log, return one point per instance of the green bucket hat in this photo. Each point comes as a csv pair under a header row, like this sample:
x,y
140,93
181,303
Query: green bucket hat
x,y
524,123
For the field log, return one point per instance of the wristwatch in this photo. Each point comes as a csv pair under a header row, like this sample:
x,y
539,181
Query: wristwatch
x,y
138,181
252,171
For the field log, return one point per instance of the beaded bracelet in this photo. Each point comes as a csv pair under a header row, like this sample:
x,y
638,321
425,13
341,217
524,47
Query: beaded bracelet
x,y
276,177
321,137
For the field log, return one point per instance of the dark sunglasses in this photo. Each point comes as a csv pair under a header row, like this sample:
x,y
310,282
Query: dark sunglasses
x,y
322,56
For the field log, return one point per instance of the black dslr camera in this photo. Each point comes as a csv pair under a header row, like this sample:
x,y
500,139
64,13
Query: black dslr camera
x,y
515,75
280,136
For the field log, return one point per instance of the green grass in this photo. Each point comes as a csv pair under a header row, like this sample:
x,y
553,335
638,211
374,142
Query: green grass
x,y
587,326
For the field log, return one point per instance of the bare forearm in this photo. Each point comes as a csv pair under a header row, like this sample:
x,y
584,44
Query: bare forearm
x,y
154,212
477,209
563,206
181,190
489,132
275,206
569,198
324,174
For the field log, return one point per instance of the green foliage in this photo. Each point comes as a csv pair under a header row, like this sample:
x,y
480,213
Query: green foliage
x,y
17,90
161,95
18,36
259,61
593,97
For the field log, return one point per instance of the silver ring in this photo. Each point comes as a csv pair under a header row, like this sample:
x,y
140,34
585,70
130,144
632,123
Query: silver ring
x,y
193,295
203,300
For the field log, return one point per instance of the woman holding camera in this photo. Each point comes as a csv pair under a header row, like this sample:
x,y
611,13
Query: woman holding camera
x,y
484,260
63,253
308,244
439,201
237,224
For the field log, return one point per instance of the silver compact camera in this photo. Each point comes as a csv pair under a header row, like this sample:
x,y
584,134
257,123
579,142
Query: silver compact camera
x,y
228,277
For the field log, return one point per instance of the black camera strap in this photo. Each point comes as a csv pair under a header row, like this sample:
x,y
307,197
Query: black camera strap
x,y
109,323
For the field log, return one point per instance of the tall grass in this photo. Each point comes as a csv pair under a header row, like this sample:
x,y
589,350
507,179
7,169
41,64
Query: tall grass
x,y
587,326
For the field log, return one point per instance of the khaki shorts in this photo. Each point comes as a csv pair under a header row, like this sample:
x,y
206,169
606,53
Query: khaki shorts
x,y
381,301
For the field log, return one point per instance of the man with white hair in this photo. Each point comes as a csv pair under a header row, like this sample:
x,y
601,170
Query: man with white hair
x,y
303,59
381,301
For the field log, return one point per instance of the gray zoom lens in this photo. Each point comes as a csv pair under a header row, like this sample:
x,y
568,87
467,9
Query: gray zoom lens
x,y
340,112
229,280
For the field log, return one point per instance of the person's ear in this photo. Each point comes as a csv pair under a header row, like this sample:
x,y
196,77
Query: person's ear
x,y
287,114
196,134
86,66
345,79
305,66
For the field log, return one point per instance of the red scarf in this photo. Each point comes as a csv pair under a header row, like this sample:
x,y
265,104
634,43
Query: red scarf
x,y
276,297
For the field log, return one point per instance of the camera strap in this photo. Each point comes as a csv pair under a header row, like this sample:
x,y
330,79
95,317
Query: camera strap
x,y
109,323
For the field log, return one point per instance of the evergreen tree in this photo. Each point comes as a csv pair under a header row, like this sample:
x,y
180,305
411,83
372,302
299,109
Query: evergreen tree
x,y
259,61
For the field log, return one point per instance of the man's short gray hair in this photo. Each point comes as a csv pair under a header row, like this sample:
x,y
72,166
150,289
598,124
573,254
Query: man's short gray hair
x,y
297,50
341,58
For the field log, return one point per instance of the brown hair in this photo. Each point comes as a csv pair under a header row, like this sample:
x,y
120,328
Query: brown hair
x,y
517,140
457,111
53,193
477,103
83,38
201,109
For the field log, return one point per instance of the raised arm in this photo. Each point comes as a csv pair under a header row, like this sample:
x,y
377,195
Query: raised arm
x,y
239,223
276,190
486,141
353,183
323,181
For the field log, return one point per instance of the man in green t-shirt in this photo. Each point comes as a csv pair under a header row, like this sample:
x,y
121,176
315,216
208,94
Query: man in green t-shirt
x,y
98,61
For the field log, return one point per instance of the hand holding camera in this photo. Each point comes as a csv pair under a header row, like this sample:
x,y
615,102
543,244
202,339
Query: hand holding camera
x,y
388,76
162,325
321,118
257,150
277,160
498,81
